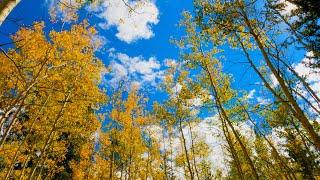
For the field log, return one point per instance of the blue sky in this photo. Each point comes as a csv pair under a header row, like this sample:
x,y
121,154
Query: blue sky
x,y
142,59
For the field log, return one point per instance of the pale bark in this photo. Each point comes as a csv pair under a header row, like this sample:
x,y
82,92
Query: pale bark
x,y
297,111
226,118
186,150
193,152
8,6
24,140
51,134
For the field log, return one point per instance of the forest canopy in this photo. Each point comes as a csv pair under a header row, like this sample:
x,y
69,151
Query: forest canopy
x,y
142,89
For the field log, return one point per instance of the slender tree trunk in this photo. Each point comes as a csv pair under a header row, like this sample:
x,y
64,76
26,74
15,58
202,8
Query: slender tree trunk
x,y
280,158
303,81
52,132
111,160
24,140
226,118
164,157
43,155
147,165
41,168
232,149
20,102
6,7
186,150
121,172
193,152
15,116
304,139
130,149
171,153
297,110
111,167
24,167
267,85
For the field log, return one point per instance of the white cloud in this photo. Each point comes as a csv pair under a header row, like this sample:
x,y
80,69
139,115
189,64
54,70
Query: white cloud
x,y
194,105
131,24
195,102
170,62
98,41
278,140
111,50
288,7
251,94
207,130
119,69
274,81
136,70
245,128
263,101
311,75
177,88
64,10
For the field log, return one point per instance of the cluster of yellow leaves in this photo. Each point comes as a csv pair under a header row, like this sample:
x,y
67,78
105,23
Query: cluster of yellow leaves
x,y
126,150
55,80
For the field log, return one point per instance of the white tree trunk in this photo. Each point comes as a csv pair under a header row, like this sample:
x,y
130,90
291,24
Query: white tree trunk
x,y
7,8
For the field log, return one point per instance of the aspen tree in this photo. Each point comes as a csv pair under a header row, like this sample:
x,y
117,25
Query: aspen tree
x,y
237,25
61,77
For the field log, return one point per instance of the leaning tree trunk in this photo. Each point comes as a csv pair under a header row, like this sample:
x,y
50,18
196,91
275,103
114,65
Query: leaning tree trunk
x,y
6,6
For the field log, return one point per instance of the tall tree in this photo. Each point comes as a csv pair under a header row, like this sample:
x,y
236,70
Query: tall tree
x,y
237,23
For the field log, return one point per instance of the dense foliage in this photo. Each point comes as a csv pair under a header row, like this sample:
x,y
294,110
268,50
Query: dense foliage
x,y
53,125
